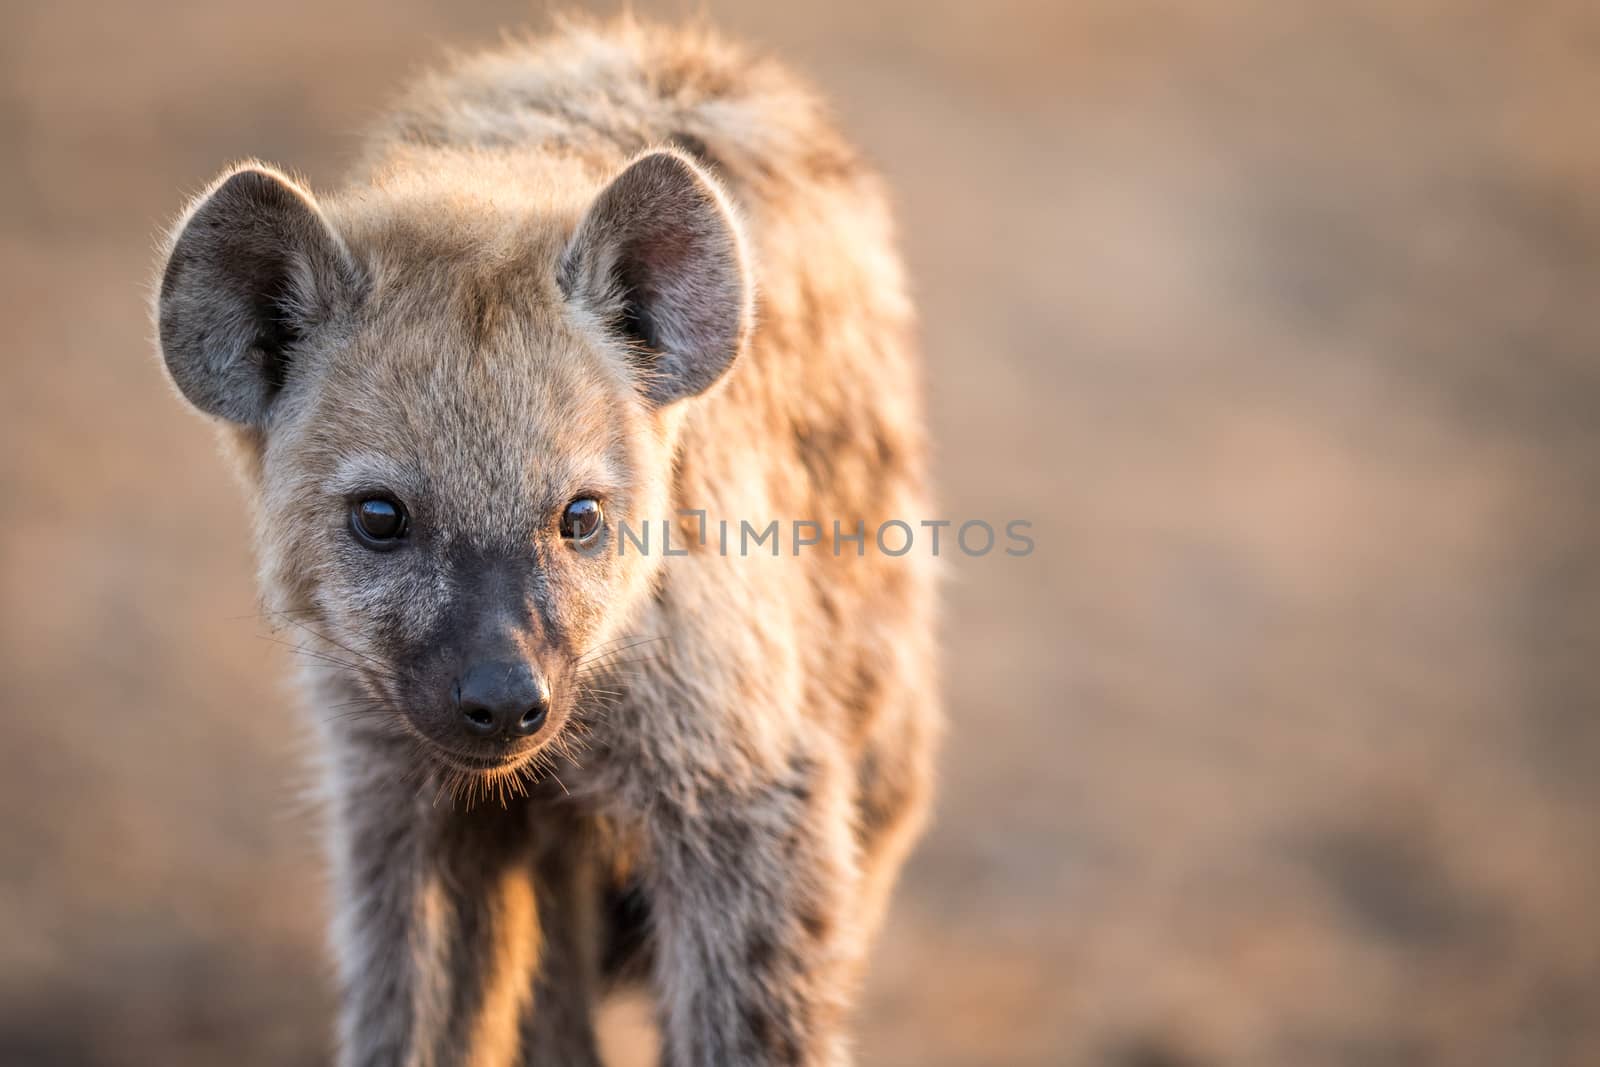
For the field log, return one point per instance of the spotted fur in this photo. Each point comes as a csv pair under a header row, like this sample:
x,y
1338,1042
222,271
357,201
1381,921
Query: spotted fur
x,y
641,265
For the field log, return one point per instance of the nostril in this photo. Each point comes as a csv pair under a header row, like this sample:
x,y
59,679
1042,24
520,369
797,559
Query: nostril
x,y
533,718
480,720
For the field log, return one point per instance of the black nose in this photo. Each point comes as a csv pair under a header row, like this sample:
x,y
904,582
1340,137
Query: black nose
x,y
502,698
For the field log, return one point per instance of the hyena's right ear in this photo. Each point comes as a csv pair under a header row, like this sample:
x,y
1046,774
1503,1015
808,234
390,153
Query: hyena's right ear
x,y
659,257
253,270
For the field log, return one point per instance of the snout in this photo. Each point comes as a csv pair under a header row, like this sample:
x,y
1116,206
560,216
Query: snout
x,y
500,699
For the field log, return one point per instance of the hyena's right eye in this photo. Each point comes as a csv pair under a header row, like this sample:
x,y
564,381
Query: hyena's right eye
x,y
581,521
379,522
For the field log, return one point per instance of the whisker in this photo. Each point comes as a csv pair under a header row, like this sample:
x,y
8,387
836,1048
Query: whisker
x,y
611,662
258,615
302,650
610,647
337,644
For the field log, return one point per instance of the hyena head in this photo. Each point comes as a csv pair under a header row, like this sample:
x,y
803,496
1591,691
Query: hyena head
x,y
447,405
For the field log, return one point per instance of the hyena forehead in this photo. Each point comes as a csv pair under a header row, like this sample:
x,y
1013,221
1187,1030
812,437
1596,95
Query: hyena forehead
x,y
473,360
482,431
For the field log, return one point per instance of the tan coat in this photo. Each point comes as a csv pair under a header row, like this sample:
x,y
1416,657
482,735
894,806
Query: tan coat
x,y
636,267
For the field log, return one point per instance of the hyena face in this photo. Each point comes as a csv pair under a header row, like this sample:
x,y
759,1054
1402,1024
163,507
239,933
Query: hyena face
x,y
448,413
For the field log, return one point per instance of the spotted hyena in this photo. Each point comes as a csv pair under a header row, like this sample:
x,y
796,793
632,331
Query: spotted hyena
x,y
619,280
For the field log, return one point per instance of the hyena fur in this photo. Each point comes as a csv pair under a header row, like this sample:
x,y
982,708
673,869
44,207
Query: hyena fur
x,y
623,272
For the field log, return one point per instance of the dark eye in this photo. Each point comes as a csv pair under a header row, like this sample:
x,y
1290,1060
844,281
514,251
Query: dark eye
x,y
378,522
581,521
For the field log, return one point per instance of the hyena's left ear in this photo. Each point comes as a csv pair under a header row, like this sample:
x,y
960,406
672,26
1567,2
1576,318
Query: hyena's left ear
x,y
659,258
252,271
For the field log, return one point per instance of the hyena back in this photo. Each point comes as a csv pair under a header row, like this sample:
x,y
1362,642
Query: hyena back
x,y
580,286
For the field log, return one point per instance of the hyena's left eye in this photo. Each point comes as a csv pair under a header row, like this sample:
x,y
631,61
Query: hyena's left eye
x,y
581,521
379,522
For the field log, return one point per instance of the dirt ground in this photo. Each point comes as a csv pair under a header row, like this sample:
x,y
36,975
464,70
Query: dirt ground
x,y
1277,319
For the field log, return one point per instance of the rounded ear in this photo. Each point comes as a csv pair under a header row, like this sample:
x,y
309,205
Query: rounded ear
x,y
251,271
659,257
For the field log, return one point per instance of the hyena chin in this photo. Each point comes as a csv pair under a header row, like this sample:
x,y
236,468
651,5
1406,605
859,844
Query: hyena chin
x,y
524,330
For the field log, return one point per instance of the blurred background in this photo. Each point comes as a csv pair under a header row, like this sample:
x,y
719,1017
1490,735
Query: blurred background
x,y
1278,319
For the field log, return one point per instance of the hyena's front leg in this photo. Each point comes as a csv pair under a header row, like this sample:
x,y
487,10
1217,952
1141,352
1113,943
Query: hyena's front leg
x,y
437,927
757,949
558,1027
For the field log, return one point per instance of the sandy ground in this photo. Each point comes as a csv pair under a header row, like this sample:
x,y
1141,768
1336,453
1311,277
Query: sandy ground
x,y
1277,319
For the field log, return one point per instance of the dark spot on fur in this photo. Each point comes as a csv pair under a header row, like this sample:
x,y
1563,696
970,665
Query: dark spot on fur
x,y
802,771
866,687
817,446
774,1041
688,76
827,603
760,951
694,147
832,163
817,925
889,457
880,799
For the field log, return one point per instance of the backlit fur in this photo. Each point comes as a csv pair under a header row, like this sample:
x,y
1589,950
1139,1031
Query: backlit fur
x,y
739,750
